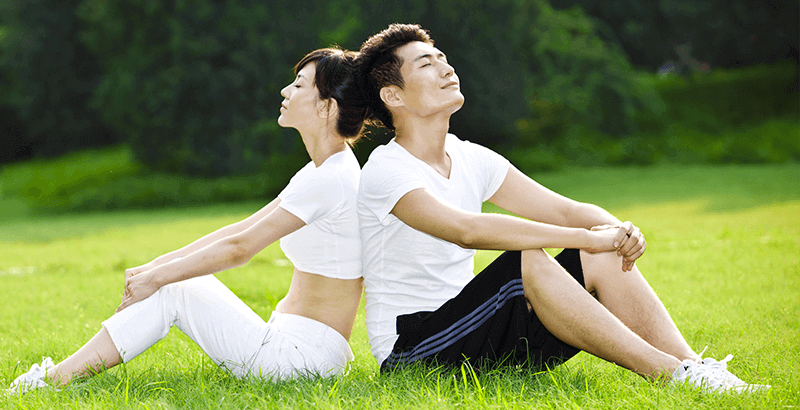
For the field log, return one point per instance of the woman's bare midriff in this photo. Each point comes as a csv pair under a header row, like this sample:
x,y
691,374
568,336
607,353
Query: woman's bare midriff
x,y
327,300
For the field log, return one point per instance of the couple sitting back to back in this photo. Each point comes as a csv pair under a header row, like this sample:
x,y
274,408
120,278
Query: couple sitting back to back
x,y
410,228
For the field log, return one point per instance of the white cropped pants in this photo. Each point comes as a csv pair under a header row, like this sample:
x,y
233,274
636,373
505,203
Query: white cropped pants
x,y
230,333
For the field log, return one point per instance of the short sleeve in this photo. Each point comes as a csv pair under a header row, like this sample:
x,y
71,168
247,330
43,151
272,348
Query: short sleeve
x,y
492,167
383,183
311,195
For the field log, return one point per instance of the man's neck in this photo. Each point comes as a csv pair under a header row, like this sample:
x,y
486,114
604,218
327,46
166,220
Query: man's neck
x,y
424,138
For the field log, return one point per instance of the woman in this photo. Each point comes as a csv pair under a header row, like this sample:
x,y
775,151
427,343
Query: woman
x,y
316,220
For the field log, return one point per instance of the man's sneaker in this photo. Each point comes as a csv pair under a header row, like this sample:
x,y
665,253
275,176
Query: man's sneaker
x,y
733,382
33,378
713,375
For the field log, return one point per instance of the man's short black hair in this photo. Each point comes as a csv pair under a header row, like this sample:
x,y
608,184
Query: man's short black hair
x,y
379,66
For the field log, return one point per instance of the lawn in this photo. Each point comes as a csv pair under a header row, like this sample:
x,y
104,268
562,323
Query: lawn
x,y
723,254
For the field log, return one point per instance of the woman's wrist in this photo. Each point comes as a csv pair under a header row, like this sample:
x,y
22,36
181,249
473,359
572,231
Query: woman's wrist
x,y
157,276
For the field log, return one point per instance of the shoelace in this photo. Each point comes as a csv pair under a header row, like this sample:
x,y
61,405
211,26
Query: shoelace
x,y
721,366
700,374
716,374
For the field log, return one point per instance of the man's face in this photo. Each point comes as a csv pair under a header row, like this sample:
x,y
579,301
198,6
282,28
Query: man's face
x,y
431,84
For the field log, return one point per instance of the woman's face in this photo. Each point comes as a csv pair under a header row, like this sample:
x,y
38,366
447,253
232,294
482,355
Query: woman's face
x,y
301,103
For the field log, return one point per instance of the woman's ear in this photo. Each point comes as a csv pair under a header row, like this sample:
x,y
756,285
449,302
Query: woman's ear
x,y
327,108
391,95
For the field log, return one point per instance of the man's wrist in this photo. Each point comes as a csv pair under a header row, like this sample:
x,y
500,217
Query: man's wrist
x,y
585,238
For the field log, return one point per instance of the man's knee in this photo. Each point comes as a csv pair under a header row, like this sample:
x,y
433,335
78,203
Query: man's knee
x,y
604,267
538,265
533,256
605,261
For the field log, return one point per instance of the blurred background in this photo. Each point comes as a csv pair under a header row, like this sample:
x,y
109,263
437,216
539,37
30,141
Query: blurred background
x,y
110,104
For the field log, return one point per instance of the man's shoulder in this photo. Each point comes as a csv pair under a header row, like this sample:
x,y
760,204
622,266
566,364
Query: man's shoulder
x,y
384,158
387,169
467,148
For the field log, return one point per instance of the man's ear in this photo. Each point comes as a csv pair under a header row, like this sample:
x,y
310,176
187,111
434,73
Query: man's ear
x,y
327,108
392,96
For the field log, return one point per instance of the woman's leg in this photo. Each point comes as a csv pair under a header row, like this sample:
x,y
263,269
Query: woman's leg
x,y
97,354
227,330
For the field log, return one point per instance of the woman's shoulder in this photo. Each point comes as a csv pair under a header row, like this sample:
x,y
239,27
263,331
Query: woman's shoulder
x,y
336,172
340,169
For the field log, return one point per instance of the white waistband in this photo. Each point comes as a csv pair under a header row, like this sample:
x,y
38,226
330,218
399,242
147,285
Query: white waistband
x,y
306,328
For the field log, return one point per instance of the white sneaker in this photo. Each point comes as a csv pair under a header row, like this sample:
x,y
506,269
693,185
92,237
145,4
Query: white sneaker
x,y
33,378
710,374
733,382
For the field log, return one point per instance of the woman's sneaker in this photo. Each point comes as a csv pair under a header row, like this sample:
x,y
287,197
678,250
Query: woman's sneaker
x,y
33,378
710,374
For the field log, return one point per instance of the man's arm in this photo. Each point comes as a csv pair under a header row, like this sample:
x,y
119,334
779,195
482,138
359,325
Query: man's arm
x,y
424,212
527,198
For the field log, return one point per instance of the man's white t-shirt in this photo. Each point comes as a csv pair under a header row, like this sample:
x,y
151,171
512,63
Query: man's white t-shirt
x,y
324,198
406,270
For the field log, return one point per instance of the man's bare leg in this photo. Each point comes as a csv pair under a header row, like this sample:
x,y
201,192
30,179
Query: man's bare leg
x,y
630,298
575,317
97,354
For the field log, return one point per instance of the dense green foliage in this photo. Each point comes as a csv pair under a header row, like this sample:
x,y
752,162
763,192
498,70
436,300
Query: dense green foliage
x,y
714,118
47,77
721,253
193,86
196,86
112,179
721,33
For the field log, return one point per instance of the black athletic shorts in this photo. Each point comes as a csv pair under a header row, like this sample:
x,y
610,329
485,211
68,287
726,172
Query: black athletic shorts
x,y
487,324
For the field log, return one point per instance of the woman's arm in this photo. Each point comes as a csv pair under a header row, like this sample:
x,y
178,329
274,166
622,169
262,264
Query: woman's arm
x,y
424,212
525,197
206,240
225,253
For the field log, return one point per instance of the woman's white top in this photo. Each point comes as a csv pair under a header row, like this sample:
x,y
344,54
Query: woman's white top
x,y
324,198
406,270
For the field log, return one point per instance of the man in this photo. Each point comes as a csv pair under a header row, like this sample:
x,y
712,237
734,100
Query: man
x,y
419,207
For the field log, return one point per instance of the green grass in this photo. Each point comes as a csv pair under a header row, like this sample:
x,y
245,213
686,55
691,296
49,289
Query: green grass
x,y
723,254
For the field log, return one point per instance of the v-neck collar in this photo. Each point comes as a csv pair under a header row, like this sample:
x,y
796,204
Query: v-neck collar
x,y
428,166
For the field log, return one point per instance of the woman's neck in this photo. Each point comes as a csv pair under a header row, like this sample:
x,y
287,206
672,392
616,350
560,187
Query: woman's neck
x,y
322,145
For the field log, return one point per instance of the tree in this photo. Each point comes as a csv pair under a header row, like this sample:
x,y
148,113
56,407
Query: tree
x,y
724,33
195,85
47,77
